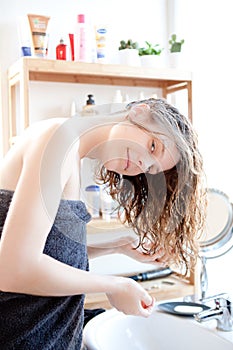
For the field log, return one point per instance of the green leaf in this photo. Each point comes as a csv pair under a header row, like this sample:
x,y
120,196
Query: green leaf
x,y
129,44
150,49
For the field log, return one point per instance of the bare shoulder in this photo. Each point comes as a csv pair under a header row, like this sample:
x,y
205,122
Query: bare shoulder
x,y
37,135
29,147
43,128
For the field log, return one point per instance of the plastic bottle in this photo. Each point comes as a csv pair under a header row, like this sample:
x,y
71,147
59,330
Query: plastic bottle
x,y
81,39
61,51
141,96
73,109
107,205
101,34
93,200
126,99
72,54
118,97
85,41
24,36
117,104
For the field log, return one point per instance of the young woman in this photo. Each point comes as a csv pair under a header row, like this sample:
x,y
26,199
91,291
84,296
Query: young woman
x,y
149,158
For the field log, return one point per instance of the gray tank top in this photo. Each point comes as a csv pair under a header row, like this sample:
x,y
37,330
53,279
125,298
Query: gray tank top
x,y
29,322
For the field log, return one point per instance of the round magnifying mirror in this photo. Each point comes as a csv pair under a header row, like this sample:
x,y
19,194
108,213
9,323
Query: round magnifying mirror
x,y
217,238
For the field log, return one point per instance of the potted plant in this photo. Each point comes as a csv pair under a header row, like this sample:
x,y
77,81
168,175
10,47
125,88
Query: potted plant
x,y
129,44
175,51
150,54
150,49
128,53
175,46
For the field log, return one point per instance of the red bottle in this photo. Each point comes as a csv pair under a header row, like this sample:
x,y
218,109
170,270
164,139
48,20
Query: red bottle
x,y
61,51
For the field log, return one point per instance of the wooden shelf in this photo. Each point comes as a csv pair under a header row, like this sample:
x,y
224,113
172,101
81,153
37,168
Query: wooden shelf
x,y
28,69
97,73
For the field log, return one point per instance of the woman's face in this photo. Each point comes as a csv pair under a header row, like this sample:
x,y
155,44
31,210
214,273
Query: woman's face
x,y
131,150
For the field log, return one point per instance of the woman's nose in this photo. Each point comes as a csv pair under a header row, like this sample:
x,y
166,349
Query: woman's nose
x,y
144,165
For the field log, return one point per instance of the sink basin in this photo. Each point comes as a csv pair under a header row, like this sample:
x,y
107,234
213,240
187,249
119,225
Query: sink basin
x,y
112,330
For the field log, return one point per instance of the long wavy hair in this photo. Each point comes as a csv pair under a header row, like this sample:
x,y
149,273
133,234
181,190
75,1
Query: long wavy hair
x,y
167,209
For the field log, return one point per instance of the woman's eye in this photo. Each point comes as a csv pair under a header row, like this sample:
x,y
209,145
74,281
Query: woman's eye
x,y
152,146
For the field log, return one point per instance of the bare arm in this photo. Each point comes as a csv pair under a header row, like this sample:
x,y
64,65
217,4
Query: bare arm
x,y
126,245
23,266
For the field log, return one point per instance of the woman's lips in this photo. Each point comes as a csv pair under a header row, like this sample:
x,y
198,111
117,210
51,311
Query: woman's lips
x,y
127,160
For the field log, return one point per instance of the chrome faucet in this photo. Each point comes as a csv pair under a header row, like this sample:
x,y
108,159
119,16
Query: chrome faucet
x,y
222,312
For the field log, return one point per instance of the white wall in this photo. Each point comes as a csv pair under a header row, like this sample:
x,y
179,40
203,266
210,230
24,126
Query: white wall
x,y
206,25
123,19
206,28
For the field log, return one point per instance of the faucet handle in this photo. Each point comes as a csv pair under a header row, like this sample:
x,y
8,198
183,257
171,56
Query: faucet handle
x,y
222,312
221,299
222,302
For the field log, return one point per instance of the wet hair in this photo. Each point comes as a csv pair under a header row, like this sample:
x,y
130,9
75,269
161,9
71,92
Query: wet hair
x,y
167,209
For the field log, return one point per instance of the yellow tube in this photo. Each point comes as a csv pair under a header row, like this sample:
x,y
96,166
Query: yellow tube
x,y
39,35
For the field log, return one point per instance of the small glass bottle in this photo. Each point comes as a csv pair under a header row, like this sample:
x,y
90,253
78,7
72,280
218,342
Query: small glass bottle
x,y
88,109
61,51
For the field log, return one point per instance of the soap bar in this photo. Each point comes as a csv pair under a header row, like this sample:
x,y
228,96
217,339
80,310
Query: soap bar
x,y
188,309
182,308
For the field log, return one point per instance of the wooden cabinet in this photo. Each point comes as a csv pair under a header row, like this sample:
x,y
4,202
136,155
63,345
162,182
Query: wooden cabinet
x,y
29,69
168,80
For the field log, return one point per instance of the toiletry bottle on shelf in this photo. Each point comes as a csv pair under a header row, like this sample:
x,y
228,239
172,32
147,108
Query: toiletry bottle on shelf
x,y
81,39
108,206
100,35
71,37
118,97
126,99
61,51
88,109
93,200
141,96
73,109
117,102
24,36
39,34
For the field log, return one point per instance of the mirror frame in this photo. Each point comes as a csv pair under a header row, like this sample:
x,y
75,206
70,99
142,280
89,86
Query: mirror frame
x,y
223,241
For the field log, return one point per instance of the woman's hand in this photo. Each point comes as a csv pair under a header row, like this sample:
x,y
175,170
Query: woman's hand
x,y
127,245
130,298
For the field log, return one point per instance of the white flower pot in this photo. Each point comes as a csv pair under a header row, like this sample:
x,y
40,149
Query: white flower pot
x,y
129,57
153,61
174,59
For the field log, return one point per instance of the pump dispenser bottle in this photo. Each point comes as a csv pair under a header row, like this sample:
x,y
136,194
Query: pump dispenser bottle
x,y
88,109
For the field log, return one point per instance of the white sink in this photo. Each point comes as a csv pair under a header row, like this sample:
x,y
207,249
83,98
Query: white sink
x,y
112,330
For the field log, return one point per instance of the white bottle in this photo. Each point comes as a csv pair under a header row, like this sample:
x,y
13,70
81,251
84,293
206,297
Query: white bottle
x,y
73,109
101,36
141,96
118,97
81,39
106,204
85,40
93,200
126,99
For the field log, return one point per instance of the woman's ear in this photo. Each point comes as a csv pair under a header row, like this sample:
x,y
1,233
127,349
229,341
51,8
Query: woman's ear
x,y
138,111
